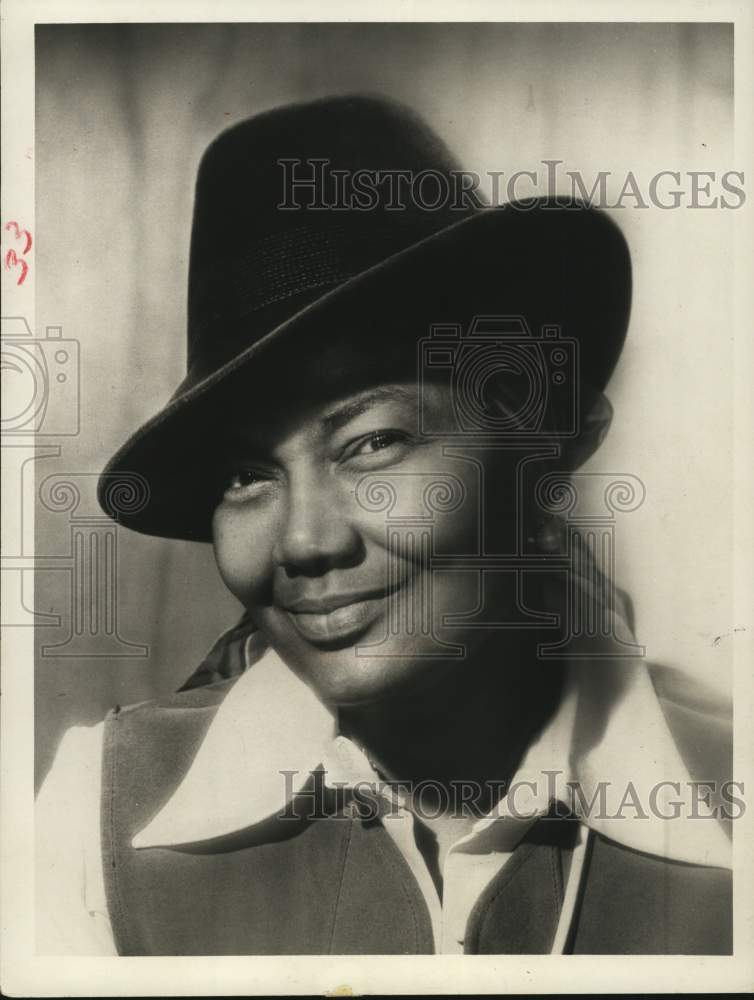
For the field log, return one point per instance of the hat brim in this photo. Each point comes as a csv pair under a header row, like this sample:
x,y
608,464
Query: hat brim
x,y
552,264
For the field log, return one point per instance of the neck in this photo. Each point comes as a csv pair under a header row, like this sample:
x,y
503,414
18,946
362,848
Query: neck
x,y
471,725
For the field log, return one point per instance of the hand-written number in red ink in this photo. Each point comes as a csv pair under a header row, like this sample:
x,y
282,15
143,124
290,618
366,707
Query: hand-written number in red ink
x,y
19,233
11,258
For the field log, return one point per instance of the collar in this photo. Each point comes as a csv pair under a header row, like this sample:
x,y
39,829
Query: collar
x,y
608,744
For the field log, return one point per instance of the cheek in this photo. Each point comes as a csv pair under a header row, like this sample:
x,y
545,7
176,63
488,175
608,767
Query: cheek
x,y
447,497
242,543
433,509
432,492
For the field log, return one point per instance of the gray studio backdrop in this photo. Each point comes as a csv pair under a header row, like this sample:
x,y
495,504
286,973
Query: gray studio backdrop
x,y
123,113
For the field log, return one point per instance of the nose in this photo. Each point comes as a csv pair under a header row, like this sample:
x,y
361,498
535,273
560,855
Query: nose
x,y
315,533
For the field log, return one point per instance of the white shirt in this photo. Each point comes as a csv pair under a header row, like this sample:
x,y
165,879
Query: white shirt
x,y
609,727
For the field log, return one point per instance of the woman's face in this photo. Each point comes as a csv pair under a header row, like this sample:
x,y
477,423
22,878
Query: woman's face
x,y
333,516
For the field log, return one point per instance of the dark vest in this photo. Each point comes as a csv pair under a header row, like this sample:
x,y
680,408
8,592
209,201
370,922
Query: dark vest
x,y
333,883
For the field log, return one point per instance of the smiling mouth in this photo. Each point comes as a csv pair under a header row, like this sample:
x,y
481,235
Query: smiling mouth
x,y
337,620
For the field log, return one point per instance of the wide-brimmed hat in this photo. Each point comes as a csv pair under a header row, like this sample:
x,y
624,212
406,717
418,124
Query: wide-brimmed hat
x,y
307,227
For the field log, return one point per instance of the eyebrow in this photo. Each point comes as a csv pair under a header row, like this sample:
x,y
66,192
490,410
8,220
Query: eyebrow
x,y
355,407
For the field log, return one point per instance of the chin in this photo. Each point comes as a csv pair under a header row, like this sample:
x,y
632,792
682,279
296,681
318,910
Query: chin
x,y
345,677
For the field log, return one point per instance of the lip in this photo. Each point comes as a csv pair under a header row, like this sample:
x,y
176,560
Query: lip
x,y
331,602
336,618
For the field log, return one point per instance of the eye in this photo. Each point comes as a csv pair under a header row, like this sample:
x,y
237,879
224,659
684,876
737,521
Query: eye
x,y
379,441
245,477
387,445
243,482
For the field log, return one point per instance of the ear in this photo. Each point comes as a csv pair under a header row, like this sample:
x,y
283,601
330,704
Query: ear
x,y
595,420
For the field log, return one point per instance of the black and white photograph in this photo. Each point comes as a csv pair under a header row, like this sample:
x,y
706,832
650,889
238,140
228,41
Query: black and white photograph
x,y
377,493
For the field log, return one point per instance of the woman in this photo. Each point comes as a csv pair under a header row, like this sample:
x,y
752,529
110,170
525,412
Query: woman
x,y
382,757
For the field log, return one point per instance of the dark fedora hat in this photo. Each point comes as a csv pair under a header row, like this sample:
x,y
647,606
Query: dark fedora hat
x,y
301,233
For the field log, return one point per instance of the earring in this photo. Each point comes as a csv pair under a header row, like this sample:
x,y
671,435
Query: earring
x,y
550,534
